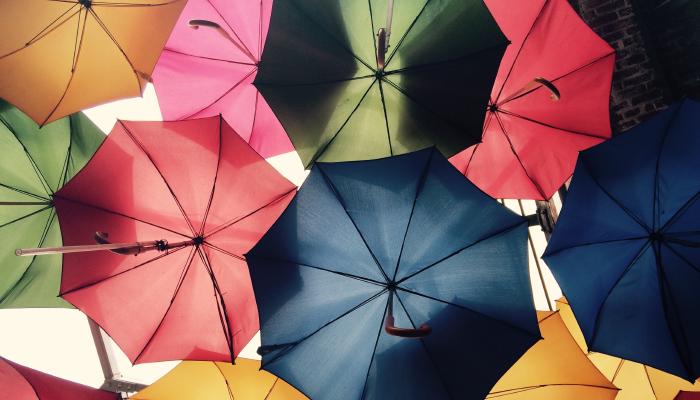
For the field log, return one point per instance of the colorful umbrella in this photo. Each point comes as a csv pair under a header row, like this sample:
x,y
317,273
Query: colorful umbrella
x,y
408,237
59,57
530,142
344,91
201,380
636,381
208,66
626,248
554,368
688,396
35,163
198,196
22,383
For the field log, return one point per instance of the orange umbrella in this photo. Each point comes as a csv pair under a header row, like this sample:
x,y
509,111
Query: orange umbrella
x,y
636,381
59,57
554,368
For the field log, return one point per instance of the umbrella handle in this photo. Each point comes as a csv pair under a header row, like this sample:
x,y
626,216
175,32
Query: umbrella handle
x,y
383,36
531,86
197,23
104,245
422,331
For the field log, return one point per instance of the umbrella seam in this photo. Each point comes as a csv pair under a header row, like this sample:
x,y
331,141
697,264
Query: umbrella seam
x,y
339,199
36,196
247,50
31,385
69,158
548,254
374,351
182,53
682,257
374,43
221,306
487,123
42,179
27,215
655,206
403,37
680,212
228,386
229,90
386,117
570,131
506,392
213,185
255,117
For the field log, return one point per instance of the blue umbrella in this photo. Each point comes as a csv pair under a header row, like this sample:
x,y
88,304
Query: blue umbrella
x,y
407,238
626,249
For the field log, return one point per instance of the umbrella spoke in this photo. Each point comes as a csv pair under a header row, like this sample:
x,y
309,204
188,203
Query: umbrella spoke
x,y
656,207
596,243
571,131
403,37
386,117
26,216
374,351
38,197
221,304
182,53
42,179
213,185
231,89
682,257
680,211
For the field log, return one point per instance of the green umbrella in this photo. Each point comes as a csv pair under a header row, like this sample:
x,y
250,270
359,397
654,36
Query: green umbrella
x,y
35,163
351,79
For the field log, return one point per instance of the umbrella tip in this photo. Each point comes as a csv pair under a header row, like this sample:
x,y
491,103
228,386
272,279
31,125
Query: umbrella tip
x,y
85,3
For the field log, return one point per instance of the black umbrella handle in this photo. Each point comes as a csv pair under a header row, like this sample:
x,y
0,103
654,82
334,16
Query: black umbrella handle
x,y
422,331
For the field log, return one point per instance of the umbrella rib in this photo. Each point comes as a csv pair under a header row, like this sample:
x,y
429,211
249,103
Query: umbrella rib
x,y
655,207
487,123
681,210
220,306
671,303
328,143
269,392
290,346
119,214
682,257
507,392
374,351
316,83
251,72
107,4
340,201
345,274
419,189
26,216
182,53
148,155
213,185
228,253
76,56
573,132
374,41
181,280
156,258
42,179
427,352
504,323
474,243
119,47
517,55
24,192
255,118
44,234
337,42
64,171
228,386
386,117
584,163
646,372
517,157
260,30
403,37
557,251
612,288
236,220
447,61
247,50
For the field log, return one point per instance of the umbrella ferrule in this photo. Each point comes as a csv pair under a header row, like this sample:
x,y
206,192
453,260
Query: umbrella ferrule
x,y
85,3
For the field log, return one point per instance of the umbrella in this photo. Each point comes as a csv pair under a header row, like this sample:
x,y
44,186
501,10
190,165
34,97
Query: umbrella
x,y
625,248
35,163
554,368
59,57
408,237
343,93
688,396
21,383
202,380
549,101
208,67
636,381
188,198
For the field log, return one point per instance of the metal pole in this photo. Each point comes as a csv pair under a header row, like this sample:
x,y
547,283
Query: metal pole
x,y
25,203
129,248
537,261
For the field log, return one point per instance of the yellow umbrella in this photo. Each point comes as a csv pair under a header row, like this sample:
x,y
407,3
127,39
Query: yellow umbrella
x,y
554,368
206,380
636,381
61,56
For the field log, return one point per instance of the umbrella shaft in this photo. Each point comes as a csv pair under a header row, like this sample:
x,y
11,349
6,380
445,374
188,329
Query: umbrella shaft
x,y
25,203
141,246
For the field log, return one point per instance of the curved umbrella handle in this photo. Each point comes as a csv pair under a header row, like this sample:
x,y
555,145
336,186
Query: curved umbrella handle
x,y
197,23
381,48
422,331
530,87
554,92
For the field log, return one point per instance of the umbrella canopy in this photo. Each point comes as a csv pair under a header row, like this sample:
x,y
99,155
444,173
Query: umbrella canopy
x,y
35,163
341,95
688,396
21,383
208,67
59,57
205,197
531,142
636,381
202,380
408,237
553,369
626,248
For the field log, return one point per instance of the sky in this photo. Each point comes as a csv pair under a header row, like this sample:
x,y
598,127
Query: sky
x,y
59,342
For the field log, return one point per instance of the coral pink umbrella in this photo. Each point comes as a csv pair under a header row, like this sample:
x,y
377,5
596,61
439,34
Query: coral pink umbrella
x,y
18,382
549,101
183,201
208,66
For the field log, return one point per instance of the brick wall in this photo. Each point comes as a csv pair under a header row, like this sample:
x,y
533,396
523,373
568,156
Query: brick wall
x,y
658,52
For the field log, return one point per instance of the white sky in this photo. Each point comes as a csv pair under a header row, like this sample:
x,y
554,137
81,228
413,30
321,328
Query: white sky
x,y
59,342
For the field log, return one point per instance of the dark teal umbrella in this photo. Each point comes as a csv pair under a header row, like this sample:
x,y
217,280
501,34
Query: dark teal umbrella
x,y
356,80
393,279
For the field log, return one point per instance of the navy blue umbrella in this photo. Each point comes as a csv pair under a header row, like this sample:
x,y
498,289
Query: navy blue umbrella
x,y
393,279
626,249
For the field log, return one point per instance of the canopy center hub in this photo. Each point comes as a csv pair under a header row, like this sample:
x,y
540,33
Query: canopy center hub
x,y
198,240
380,73
391,285
656,236
493,108
85,3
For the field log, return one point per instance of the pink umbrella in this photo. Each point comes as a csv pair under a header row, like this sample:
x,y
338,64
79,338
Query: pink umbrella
x,y
208,66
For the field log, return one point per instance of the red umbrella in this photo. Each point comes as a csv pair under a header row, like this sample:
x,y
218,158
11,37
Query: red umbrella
x,y
549,101
688,396
209,64
21,383
191,196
